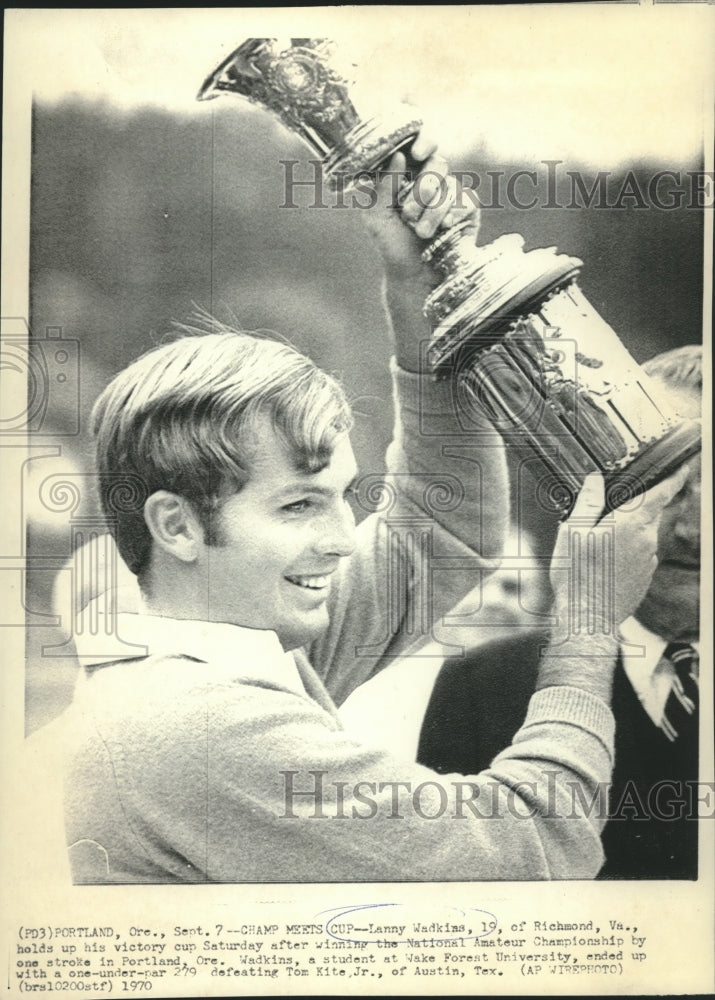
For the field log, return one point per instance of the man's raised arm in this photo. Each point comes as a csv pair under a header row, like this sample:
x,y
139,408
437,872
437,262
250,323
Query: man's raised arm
x,y
443,515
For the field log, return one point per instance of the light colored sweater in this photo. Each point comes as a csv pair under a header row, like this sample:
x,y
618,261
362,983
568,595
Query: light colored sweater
x,y
217,756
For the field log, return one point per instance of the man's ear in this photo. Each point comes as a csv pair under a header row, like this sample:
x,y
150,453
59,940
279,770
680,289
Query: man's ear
x,y
173,525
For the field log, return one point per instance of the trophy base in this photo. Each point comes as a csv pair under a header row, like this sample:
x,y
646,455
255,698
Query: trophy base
x,y
653,464
557,492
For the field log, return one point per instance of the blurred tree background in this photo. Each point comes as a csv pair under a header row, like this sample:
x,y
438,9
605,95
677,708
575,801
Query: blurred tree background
x,y
139,217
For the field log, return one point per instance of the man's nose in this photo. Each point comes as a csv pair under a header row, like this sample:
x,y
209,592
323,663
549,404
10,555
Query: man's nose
x,y
337,534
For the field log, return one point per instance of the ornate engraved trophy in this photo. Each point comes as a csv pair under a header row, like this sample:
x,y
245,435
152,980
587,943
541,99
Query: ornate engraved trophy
x,y
300,82
513,328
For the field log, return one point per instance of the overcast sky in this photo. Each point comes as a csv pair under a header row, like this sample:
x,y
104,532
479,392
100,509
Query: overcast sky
x,y
601,83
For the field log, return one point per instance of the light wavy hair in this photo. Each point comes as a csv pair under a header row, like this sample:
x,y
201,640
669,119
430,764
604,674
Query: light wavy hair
x,y
184,418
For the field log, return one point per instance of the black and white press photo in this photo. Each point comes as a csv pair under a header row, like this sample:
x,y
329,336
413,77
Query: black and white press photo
x,y
356,438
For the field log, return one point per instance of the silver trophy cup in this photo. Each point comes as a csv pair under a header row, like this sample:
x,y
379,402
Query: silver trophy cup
x,y
513,329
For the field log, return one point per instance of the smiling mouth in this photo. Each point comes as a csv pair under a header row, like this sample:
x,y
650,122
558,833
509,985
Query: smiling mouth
x,y
309,582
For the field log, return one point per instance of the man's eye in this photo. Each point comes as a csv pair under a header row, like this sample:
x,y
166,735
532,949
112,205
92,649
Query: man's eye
x,y
296,507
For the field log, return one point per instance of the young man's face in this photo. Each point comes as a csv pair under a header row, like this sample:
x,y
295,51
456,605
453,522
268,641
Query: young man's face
x,y
282,537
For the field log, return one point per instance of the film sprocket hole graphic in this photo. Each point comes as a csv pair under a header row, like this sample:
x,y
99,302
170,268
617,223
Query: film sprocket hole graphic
x,y
40,380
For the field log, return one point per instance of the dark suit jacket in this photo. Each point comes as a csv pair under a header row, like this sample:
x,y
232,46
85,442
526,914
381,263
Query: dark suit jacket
x,y
480,700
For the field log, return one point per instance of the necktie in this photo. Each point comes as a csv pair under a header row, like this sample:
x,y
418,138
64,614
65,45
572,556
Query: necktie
x,y
680,716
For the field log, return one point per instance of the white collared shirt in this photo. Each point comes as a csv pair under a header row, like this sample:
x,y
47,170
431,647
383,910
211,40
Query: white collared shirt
x,y
234,651
650,675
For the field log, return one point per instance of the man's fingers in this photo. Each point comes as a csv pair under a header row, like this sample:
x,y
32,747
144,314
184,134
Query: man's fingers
x,y
432,202
661,495
590,501
440,206
390,181
423,147
463,209
430,190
